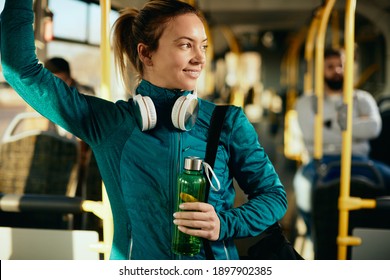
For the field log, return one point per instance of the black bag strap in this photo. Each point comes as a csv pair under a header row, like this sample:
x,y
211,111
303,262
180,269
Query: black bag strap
x,y
216,123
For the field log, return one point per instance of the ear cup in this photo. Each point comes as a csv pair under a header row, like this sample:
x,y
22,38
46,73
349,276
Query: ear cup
x,y
175,111
185,112
147,117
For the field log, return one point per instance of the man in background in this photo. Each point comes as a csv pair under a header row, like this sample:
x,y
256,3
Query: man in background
x,y
366,125
60,67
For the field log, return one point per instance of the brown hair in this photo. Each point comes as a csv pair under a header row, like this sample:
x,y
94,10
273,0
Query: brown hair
x,y
143,26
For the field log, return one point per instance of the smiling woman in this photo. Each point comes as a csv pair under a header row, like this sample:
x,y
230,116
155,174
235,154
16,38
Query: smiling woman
x,y
166,43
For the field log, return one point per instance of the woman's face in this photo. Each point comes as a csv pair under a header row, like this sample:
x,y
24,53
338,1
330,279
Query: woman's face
x,y
180,57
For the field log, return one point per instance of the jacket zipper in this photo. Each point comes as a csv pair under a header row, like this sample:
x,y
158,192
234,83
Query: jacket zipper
x,y
130,248
226,250
174,171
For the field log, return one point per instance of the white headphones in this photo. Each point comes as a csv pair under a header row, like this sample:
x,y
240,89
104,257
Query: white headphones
x,y
184,112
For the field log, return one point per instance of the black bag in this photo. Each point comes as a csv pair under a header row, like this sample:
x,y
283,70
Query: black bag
x,y
273,245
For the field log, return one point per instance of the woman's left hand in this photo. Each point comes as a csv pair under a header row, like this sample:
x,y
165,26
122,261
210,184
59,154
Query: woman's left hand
x,y
198,219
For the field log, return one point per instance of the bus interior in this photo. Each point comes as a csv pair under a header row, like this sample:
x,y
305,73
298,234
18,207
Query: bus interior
x,y
262,56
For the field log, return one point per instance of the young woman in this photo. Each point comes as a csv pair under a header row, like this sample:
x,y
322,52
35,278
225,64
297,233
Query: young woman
x,y
140,144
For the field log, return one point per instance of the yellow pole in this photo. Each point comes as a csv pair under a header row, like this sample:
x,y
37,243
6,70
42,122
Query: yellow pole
x,y
292,65
234,46
291,73
291,142
335,30
283,71
347,134
105,51
309,50
319,79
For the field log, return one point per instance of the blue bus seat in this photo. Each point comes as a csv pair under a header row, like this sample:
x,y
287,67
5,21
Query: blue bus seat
x,y
366,182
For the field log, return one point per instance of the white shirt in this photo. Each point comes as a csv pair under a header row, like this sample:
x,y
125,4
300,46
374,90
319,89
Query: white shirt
x,y
366,122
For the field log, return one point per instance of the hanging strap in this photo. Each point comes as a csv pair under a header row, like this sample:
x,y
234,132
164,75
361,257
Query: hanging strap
x,y
217,120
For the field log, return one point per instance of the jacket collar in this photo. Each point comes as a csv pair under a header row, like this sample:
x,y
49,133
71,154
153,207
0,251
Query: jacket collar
x,y
161,97
163,100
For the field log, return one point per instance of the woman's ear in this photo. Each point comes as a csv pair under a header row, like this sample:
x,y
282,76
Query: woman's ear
x,y
144,54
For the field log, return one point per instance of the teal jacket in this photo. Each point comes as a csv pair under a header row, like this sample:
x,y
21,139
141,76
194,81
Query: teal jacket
x,y
139,169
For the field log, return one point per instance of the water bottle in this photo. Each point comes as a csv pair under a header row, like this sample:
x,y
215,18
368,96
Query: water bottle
x,y
191,188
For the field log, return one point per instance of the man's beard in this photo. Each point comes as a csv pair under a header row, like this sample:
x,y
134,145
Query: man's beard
x,y
334,84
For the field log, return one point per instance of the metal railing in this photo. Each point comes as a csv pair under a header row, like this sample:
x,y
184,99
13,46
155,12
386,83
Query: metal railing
x,y
67,205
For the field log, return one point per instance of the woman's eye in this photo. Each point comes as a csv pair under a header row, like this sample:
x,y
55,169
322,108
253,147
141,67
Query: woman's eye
x,y
186,45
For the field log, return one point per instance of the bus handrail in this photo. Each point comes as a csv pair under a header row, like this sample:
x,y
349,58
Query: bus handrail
x,y
347,133
309,51
105,53
60,204
319,78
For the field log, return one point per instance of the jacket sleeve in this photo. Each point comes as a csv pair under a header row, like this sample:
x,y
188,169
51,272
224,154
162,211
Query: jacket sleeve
x,y
256,176
47,94
367,122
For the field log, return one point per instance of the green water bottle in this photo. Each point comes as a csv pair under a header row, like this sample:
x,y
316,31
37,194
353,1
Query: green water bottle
x,y
191,188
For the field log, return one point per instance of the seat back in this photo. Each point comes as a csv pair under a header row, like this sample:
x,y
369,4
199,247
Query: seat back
x,y
47,244
36,162
379,146
366,182
375,244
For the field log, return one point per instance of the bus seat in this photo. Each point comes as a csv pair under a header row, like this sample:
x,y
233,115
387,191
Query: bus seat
x,y
325,215
37,162
47,244
379,150
375,244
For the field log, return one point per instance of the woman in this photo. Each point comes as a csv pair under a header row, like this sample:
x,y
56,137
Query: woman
x,y
139,147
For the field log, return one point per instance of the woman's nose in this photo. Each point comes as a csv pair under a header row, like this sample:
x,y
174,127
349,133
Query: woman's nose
x,y
199,57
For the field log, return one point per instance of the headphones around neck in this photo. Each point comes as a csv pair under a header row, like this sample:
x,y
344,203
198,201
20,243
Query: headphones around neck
x,y
183,116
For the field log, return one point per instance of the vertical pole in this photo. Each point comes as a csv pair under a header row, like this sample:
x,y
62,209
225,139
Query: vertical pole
x,y
319,79
105,51
309,50
335,30
347,133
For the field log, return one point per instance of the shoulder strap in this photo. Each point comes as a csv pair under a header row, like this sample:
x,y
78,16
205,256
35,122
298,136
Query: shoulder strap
x,y
216,123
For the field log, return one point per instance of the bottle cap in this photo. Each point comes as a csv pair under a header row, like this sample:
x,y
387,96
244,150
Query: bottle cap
x,y
193,163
